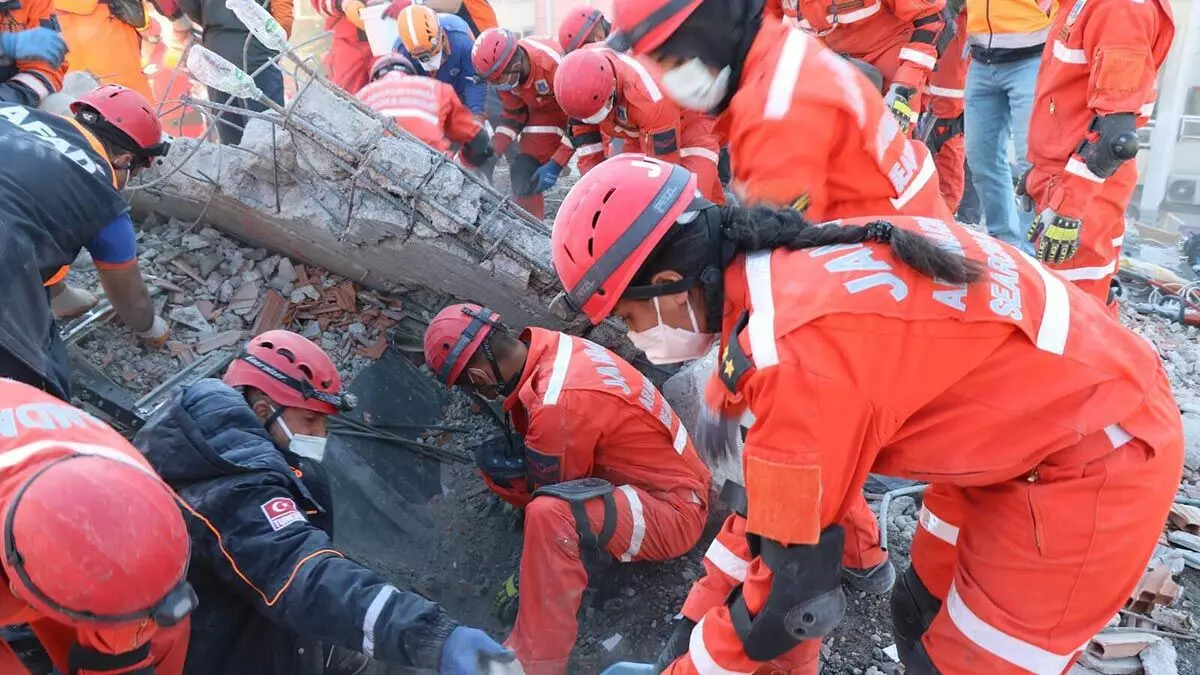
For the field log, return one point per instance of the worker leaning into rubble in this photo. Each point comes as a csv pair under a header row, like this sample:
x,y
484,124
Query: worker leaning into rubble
x,y
874,345
276,596
95,552
523,69
439,45
32,52
610,96
945,107
60,193
1097,84
607,469
426,108
582,26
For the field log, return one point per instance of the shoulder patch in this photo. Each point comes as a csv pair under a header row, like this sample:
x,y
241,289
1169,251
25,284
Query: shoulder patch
x,y
734,362
281,512
544,469
542,87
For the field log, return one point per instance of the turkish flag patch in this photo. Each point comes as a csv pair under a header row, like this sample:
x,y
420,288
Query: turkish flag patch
x,y
282,512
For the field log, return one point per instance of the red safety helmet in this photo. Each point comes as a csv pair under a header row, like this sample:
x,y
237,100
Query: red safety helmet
x,y
123,117
609,224
453,337
584,82
493,51
643,25
577,25
293,371
94,537
389,62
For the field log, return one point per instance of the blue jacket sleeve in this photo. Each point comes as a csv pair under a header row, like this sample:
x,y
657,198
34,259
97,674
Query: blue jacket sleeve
x,y
472,93
115,245
289,569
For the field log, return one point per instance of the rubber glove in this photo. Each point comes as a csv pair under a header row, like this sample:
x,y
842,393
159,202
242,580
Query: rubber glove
x,y
677,644
546,176
35,44
1057,236
467,650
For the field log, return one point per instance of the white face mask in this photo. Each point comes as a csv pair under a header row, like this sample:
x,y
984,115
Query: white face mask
x,y
664,344
433,63
312,447
600,116
693,86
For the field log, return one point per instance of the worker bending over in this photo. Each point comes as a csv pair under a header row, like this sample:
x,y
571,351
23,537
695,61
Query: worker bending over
x,y
607,469
95,552
522,69
614,96
874,345
276,596
1096,86
61,193
439,45
582,26
32,52
426,108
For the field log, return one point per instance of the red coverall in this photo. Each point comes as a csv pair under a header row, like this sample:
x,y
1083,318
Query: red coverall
x,y
349,59
586,412
39,77
1103,59
530,111
946,87
651,123
1062,423
427,108
880,32
27,417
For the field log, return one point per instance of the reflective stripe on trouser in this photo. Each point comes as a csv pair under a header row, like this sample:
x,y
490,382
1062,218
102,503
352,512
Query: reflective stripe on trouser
x,y
1100,236
862,536
1042,564
933,546
705,655
553,578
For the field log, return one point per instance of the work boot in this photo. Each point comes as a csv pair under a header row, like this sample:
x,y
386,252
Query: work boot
x,y
70,302
876,580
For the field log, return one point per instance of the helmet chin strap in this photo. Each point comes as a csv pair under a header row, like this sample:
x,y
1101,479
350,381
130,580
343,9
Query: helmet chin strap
x,y
504,387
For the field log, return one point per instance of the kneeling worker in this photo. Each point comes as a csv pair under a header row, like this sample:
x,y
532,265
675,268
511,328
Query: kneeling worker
x,y
276,596
607,470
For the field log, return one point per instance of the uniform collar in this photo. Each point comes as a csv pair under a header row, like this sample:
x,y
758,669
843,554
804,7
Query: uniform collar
x,y
539,341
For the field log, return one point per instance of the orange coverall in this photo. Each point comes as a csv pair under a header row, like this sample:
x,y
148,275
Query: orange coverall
x,y
651,123
427,108
349,59
1103,59
38,78
946,88
586,412
531,117
1062,424
103,44
28,416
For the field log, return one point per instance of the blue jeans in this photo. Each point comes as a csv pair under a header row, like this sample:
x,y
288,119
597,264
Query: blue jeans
x,y
999,101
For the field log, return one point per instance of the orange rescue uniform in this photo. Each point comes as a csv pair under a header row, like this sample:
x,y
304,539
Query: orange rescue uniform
x,y
1050,407
946,91
38,78
648,122
103,44
427,108
1102,58
585,412
29,418
531,116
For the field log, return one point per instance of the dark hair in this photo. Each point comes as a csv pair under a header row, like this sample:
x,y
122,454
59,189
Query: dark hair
x,y
502,342
687,248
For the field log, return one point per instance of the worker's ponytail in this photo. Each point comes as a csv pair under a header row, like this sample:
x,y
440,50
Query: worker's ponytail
x,y
759,228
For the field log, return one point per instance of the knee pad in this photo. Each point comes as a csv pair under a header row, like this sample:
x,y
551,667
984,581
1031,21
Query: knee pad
x,y
593,550
913,610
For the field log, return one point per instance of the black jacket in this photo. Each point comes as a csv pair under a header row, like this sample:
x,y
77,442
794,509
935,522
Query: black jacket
x,y
272,587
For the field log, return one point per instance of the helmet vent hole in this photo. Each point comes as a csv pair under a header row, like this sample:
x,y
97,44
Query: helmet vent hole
x,y
591,253
308,374
608,195
287,354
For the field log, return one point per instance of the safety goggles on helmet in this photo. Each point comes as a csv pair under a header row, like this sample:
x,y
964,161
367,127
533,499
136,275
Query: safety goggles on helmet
x,y
430,58
341,402
143,157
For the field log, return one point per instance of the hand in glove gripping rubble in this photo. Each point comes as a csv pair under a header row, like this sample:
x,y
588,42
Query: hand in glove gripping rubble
x,y
507,599
899,100
469,651
35,44
546,176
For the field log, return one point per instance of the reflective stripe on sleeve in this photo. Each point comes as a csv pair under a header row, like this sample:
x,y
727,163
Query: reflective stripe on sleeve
x,y
928,170
939,528
1056,315
372,617
732,565
558,374
1068,55
787,72
918,57
1078,168
699,152
639,523
761,328
701,659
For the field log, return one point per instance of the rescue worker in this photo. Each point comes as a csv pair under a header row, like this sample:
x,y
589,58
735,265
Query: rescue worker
x,y
478,14
105,40
32,52
607,470
767,80
582,26
426,108
944,111
608,95
874,345
903,39
439,45
60,193
349,58
523,69
95,552
1096,86
276,596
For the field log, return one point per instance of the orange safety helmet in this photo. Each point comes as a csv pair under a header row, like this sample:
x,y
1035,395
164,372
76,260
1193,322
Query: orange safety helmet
x,y
293,371
420,31
453,337
493,51
609,224
123,117
577,25
94,538
584,83
644,25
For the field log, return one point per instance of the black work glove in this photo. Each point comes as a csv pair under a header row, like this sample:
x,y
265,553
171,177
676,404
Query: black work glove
x,y
507,599
677,644
1024,200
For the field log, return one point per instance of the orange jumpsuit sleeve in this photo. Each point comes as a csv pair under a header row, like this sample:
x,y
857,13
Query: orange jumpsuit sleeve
x,y
919,56
589,145
513,116
39,76
459,124
283,12
779,167
1118,39
660,127
118,641
725,564
516,493
562,439
562,156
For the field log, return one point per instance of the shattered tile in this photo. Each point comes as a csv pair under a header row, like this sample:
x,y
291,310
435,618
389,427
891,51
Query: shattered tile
x,y
188,270
345,296
1186,518
206,308
270,317
192,317
163,284
375,350
221,340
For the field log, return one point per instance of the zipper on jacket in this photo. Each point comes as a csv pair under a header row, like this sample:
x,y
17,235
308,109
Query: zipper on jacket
x,y
1032,479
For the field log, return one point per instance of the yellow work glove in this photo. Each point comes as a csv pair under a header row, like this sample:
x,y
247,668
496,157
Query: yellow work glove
x,y
1057,237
